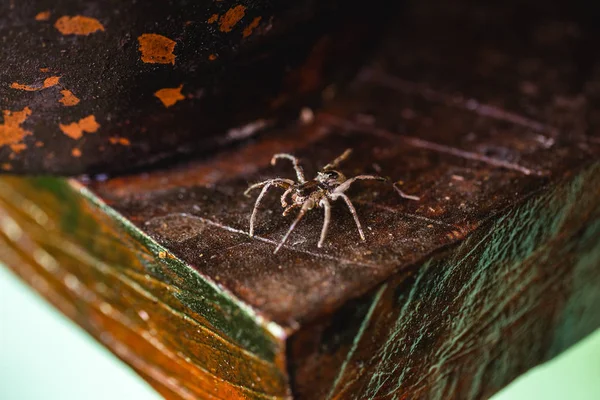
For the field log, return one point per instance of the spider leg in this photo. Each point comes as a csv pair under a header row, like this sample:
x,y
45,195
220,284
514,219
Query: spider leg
x,y
254,211
290,208
305,207
284,197
327,208
294,160
335,196
404,195
344,186
334,164
284,183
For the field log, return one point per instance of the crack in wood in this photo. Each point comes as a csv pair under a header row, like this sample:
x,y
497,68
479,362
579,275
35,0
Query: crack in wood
x,y
425,144
262,239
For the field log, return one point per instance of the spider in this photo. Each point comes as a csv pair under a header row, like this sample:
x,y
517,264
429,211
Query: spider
x,y
329,185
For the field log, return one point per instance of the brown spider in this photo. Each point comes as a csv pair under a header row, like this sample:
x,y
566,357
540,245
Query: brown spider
x,y
328,185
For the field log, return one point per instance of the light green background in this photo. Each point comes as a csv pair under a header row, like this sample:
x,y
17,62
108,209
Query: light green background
x,y
45,356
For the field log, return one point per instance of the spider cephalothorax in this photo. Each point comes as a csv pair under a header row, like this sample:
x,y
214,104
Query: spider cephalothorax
x,y
329,185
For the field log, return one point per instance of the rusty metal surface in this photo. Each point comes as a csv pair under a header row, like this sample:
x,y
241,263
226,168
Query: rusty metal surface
x,y
105,87
469,135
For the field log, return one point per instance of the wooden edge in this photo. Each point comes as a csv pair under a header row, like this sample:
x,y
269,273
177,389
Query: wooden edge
x,y
518,291
186,334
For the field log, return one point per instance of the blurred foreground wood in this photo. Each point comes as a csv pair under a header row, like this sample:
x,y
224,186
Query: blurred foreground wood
x,y
494,270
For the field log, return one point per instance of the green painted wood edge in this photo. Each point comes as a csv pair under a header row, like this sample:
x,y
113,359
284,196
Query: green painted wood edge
x,y
568,208
234,318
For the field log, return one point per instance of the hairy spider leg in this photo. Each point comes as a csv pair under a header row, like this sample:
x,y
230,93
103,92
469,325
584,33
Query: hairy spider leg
x,y
335,163
290,208
294,160
344,186
339,192
327,217
335,196
284,196
305,207
255,210
276,181
285,183
404,195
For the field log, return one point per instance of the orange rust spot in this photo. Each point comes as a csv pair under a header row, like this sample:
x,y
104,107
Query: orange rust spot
x,y
212,57
6,167
43,16
75,130
78,25
11,132
248,30
170,96
18,147
39,144
119,140
51,81
157,49
68,99
76,153
48,82
44,69
20,86
231,17
213,18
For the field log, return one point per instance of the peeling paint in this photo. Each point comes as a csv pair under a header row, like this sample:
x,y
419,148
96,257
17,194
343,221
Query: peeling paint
x,y
170,96
43,16
248,30
11,132
213,18
48,82
119,140
18,147
78,25
68,99
231,18
156,49
75,130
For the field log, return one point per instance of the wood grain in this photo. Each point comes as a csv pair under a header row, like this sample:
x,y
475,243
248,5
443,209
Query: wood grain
x,y
487,112
157,314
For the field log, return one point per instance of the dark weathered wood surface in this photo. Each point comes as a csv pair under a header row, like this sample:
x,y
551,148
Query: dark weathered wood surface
x,y
96,86
488,113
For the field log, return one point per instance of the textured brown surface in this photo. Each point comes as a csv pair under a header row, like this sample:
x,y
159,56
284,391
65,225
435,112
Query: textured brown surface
x,y
449,133
162,79
489,114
